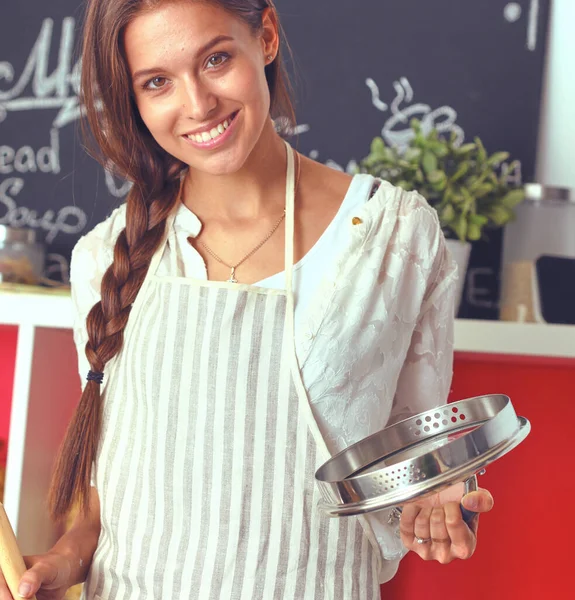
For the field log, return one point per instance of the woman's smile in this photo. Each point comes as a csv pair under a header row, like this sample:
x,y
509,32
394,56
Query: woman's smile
x,y
213,135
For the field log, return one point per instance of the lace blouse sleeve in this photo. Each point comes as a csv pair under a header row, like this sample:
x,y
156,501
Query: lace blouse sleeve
x,y
424,381
425,377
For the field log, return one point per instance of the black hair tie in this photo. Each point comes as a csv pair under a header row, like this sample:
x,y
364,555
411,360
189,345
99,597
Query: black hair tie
x,y
95,376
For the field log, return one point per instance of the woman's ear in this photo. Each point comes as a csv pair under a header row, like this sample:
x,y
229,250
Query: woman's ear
x,y
270,34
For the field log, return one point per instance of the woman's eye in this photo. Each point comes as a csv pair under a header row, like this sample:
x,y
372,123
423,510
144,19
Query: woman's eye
x,y
157,83
217,60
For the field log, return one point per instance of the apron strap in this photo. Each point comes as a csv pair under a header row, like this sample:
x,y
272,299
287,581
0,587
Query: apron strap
x,y
290,218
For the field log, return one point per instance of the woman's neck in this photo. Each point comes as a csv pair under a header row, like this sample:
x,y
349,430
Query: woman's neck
x,y
257,189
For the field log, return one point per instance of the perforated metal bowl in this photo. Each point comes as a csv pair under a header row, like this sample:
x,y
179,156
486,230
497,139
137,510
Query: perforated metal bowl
x,y
420,455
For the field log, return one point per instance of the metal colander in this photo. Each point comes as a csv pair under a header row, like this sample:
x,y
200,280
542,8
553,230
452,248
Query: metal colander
x,y
420,455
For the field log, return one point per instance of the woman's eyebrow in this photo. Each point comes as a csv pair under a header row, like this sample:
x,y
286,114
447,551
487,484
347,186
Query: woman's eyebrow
x,y
205,48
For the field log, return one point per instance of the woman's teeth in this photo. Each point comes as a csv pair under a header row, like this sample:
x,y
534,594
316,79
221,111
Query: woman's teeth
x,y
214,133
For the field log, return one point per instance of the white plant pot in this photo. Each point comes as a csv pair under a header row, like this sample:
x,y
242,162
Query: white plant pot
x,y
460,252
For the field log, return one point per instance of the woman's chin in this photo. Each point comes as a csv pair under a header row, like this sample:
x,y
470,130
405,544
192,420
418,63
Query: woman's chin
x,y
225,162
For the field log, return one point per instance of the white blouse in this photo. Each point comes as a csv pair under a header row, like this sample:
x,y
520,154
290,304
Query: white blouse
x,y
374,313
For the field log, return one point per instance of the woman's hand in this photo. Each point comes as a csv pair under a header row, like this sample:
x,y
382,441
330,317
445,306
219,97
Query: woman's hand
x,y
47,577
436,521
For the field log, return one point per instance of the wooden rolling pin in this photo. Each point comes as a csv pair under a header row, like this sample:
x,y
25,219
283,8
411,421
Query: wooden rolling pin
x,y
11,561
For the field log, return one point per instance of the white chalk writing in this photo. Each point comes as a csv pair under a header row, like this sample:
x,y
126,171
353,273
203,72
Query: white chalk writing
x,y
70,219
57,268
396,130
478,295
532,26
118,191
27,160
58,89
37,88
513,174
513,12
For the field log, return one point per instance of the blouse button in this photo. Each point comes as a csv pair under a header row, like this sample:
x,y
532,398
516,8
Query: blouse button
x,y
356,221
309,335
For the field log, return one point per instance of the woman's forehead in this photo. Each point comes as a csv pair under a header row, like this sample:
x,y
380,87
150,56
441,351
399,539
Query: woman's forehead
x,y
178,28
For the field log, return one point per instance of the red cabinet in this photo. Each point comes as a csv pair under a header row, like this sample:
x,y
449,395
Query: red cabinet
x,y
525,549
8,337
525,543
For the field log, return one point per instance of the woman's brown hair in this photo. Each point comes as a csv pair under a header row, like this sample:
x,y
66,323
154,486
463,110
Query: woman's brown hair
x,y
118,137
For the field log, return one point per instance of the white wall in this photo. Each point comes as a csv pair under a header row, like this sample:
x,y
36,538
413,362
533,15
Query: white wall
x,y
556,151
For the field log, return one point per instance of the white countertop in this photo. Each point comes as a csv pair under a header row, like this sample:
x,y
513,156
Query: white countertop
x,y
54,309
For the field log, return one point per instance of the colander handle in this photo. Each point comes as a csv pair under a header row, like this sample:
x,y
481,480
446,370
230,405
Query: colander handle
x,y
470,486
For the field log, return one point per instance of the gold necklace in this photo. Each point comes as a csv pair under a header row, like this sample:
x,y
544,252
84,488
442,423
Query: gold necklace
x,y
233,268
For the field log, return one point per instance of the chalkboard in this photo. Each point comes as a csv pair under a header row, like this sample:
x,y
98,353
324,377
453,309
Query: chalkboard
x,y
360,69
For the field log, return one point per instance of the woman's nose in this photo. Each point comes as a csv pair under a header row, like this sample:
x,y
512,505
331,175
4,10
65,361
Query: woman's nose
x,y
197,100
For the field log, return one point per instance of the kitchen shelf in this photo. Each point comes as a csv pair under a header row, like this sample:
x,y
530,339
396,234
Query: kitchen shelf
x,y
54,309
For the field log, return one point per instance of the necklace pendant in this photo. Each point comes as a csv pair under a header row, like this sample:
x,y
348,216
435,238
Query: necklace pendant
x,y
232,278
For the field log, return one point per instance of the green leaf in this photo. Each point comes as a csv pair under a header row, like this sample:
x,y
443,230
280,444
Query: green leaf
x,y
460,227
447,213
461,171
378,146
499,215
479,220
429,162
441,150
469,198
513,198
496,159
412,155
404,164
465,149
492,178
473,232
369,162
483,190
405,185
470,182
481,152
415,124
390,155
438,180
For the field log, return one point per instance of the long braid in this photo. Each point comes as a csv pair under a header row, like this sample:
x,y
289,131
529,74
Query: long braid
x,y
133,251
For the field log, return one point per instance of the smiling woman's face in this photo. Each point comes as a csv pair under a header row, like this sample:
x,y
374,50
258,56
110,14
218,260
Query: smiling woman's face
x,y
199,82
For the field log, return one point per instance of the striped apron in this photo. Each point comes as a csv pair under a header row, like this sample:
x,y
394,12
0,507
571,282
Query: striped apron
x,y
206,466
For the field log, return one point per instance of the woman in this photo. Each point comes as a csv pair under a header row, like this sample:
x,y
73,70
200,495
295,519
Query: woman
x,y
220,375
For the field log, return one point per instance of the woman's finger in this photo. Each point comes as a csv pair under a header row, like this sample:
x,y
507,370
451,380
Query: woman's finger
x,y
480,501
40,574
463,539
440,540
438,528
422,527
421,538
407,524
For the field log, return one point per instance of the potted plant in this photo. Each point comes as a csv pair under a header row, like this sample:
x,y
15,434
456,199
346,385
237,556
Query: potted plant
x,y
463,183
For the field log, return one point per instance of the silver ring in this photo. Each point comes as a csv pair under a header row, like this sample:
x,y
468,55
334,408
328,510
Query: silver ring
x,y
422,540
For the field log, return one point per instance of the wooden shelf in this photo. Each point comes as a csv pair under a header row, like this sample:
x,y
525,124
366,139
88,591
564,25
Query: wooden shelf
x,y
54,309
